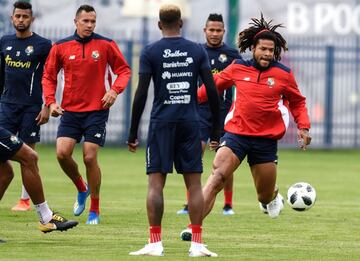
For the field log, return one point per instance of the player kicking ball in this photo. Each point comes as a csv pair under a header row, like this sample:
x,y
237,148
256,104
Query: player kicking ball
x,y
12,148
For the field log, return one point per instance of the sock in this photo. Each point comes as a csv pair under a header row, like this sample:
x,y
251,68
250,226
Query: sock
x,y
24,194
80,184
196,233
155,234
228,197
44,212
94,205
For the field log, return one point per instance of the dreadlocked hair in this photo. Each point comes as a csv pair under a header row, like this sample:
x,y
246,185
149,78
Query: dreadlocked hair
x,y
262,29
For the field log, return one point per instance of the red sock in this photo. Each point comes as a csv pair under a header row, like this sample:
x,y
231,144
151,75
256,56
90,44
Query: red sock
x,y
228,197
80,184
196,233
155,234
94,205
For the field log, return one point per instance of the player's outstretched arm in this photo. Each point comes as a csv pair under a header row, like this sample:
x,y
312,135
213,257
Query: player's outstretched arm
x,y
214,105
137,110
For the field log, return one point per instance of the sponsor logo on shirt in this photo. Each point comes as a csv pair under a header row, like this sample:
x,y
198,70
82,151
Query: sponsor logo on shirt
x,y
168,75
189,60
29,50
247,79
72,57
17,53
176,53
175,64
172,86
17,64
178,99
8,48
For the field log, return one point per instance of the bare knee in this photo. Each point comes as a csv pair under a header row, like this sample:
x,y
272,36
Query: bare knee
x,y
30,158
62,155
89,159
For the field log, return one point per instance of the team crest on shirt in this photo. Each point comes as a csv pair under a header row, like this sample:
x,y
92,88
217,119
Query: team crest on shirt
x,y
95,54
14,139
29,50
270,82
223,58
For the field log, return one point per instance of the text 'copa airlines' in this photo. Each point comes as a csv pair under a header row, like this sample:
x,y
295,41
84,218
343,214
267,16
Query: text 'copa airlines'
x,y
321,18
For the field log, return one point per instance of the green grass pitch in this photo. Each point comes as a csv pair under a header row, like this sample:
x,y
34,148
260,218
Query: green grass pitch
x,y
328,231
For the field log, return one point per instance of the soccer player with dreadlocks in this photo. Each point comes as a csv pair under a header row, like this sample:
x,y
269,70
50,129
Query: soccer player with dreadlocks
x,y
259,116
256,120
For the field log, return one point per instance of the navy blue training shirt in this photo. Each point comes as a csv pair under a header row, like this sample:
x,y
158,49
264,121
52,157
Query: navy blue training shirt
x,y
174,64
219,57
23,60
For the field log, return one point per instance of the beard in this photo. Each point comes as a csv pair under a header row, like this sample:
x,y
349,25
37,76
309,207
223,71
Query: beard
x,y
259,66
22,28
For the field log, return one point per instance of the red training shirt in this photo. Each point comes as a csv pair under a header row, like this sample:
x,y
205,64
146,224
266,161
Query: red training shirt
x,y
259,108
85,67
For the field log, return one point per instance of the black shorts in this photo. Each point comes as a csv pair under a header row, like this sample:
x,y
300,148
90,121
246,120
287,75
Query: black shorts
x,y
173,144
90,125
258,150
20,119
9,145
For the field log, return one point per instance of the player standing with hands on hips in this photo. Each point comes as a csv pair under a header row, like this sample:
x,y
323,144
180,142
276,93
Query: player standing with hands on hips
x,y
85,58
174,64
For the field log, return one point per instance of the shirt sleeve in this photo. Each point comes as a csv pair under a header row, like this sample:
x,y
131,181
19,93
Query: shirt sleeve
x,y
223,81
297,104
2,68
120,67
49,80
204,62
145,63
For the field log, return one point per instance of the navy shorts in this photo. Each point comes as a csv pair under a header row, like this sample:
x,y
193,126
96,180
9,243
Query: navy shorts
x,y
90,125
20,119
206,123
9,145
171,144
258,150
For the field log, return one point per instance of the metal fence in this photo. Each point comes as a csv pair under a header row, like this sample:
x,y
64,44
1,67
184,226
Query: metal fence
x,y
327,73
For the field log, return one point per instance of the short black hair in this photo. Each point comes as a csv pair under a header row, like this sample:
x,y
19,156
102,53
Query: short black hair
x,y
22,5
86,8
169,14
215,18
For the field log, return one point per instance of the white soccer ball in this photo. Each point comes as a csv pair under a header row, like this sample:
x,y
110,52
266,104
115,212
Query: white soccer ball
x,y
301,196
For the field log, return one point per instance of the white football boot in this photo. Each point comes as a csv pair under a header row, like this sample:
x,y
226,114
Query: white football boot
x,y
199,250
151,249
275,206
